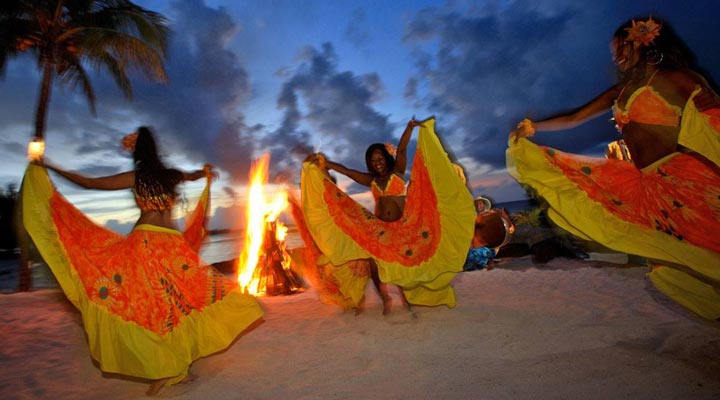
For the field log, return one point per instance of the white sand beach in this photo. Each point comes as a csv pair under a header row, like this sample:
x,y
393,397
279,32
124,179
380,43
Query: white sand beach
x,y
570,329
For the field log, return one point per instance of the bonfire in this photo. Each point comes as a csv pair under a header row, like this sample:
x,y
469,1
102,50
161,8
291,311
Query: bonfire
x,y
264,266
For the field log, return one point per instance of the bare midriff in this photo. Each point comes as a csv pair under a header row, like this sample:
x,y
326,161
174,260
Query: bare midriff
x,y
649,143
389,208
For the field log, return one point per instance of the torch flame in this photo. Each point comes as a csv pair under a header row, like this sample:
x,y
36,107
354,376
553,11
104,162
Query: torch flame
x,y
259,212
36,148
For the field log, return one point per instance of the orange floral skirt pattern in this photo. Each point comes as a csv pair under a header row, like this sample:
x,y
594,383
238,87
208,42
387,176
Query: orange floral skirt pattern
x,y
149,305
678,195
342,285
150,277
408,241
668,212
423,250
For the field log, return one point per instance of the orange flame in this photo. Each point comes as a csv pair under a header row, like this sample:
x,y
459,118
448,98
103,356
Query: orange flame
x,y
259,212
36,148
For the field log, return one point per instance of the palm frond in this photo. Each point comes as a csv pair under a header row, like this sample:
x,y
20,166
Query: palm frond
x,y
136,21
76,75
116,70
69,35
129,51
15,25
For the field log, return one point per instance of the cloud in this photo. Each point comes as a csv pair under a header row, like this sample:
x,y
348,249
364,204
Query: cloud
x,y
199,111
327,110
355,32
230,192
485,69
232,217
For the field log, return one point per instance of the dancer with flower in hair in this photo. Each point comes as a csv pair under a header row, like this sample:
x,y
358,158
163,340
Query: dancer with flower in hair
x,y
417,238
662,201
149,305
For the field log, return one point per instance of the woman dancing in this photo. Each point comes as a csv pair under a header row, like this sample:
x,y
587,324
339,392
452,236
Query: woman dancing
x,y
664,202
416,239
149,305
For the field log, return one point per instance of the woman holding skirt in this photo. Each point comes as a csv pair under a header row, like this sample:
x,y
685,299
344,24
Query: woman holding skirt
x,y
417,238
149,305
662,201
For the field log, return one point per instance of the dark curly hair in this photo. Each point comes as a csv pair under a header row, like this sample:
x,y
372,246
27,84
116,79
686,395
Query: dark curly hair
x,y
667,51
152,178
389,159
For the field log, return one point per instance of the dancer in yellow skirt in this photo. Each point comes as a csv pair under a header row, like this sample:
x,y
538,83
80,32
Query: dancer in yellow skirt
x,y
341,285
417,240
149,305
664,202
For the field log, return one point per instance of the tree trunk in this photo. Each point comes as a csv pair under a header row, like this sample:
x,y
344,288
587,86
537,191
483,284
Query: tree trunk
x,y
25,260
43,100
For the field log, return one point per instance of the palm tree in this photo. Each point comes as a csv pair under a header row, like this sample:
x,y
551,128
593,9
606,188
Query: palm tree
x,y
68,35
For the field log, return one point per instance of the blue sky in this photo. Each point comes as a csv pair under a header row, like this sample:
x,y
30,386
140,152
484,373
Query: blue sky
x,y
290,77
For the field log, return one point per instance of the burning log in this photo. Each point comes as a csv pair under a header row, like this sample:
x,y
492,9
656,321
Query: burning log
x,y
274,274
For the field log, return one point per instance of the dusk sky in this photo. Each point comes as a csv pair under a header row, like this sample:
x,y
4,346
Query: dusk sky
x,y
291,77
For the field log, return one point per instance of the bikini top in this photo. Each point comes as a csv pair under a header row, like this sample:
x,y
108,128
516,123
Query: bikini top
x,y
163,202
646,106
395,187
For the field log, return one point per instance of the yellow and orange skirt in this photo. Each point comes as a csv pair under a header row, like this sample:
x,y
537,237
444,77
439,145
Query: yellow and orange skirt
x,y
421,252
340,285
149,305
668,212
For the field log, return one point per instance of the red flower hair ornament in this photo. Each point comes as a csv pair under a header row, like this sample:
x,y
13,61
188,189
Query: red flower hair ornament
x,y
128,142
643,32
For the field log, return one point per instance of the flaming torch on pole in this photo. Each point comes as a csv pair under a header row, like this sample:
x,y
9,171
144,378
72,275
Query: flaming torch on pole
x,y
36,149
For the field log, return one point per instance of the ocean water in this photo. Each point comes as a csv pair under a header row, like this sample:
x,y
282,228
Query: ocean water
x,y
515,206
217,248
226,246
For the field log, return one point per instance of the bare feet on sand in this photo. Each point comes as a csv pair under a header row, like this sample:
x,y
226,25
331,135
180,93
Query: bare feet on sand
x,y
360,307
156,386
187,379
387,305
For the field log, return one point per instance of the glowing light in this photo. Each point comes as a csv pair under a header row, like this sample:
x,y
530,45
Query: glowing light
x,y
36,149
259,213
